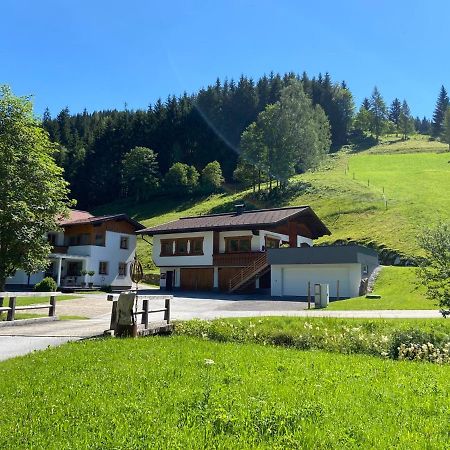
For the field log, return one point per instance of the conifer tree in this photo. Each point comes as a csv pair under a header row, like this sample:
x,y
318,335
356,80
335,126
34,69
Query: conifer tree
x,y
445,136
379,113
439,112
394,113
405,121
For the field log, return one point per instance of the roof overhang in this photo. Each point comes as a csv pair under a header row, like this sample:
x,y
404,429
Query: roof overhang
x,y
319,228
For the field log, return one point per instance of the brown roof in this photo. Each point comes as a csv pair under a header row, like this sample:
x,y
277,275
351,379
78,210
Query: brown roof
x,y
78,217
245,220
75,215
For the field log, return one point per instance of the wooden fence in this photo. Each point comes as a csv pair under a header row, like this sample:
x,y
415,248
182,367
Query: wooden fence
x,y
12,307
144,312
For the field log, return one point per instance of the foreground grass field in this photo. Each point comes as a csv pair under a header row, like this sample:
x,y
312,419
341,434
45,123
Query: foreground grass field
x,y
347,194
181,392
398,288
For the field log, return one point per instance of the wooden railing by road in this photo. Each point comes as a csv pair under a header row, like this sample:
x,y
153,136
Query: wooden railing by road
x,y
144,312
249,272
12,307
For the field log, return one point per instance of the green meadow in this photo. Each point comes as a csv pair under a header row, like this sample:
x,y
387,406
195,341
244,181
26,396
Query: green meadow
x,y
399,289
182,392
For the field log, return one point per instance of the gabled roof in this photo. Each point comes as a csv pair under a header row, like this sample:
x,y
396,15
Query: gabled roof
x,y
241,221
78,217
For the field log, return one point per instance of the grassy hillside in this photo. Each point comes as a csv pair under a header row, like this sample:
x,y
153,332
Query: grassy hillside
x,y
398,288
347,193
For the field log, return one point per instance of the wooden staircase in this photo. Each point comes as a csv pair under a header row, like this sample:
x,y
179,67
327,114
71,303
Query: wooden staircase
x,y
249,273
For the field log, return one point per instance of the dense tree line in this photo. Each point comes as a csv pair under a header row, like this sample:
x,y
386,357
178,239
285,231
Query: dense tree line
x,y
207,126
191,129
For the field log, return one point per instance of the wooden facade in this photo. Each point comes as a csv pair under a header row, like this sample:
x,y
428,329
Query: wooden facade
x,y
197,279
93,233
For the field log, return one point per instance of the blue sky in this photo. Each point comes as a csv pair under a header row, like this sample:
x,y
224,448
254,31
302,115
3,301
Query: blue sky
x,y
102,54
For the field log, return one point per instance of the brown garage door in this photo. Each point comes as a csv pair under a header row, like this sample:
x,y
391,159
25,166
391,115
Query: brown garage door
x,y
226,273
197,279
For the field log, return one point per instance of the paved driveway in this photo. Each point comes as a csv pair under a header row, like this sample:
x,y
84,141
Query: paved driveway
x,y
22,339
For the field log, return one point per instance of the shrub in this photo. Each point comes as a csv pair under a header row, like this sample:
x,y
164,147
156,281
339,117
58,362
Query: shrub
x,y
382,339
48,284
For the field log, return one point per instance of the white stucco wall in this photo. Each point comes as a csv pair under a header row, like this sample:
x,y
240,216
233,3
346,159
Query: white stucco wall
x,y
111,253
292,279
21,277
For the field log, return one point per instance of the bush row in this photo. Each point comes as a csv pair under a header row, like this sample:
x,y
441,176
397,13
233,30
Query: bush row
x,y
377,338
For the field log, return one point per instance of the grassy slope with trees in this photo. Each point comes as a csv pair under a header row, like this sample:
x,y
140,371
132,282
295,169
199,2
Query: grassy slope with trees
x,y
414,175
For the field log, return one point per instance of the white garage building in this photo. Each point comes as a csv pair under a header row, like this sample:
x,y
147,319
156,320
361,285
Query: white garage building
x,y
343,268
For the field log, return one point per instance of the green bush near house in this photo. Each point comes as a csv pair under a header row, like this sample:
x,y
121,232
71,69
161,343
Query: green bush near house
x,y
48,284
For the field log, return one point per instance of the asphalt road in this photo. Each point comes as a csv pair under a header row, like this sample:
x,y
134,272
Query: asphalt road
x,y
22,339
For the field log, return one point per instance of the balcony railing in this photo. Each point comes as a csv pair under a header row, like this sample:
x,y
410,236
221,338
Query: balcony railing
x,y
235,259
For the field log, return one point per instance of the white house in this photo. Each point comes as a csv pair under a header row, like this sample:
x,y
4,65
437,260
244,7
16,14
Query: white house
x,y
233,251
105,245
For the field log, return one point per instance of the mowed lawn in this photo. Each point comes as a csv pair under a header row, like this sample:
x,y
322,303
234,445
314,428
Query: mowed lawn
x,y
187,393
399,289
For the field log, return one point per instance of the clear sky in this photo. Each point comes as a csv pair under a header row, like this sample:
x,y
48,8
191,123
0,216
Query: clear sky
x,y
100,54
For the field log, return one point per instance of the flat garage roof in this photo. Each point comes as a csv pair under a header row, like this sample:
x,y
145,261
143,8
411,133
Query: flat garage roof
x,y
326,254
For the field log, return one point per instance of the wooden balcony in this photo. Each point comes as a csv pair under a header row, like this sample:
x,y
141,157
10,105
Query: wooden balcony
x,y
235,259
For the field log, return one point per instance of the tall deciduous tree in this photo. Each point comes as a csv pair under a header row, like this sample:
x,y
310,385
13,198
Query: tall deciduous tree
x,y
289,135
140,173
212,178
33,193
435,270
439,112
378,110
181,179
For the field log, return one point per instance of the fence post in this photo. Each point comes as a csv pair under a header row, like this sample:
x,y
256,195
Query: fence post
x,y
12,310
113,322
52,309
145,313
337,290
167,311
309,294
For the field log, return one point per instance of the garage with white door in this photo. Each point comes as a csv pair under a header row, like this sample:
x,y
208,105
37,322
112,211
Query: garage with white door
x,y
343,268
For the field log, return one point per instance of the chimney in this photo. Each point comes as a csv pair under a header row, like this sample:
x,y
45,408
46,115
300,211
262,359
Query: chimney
x,y
239,209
